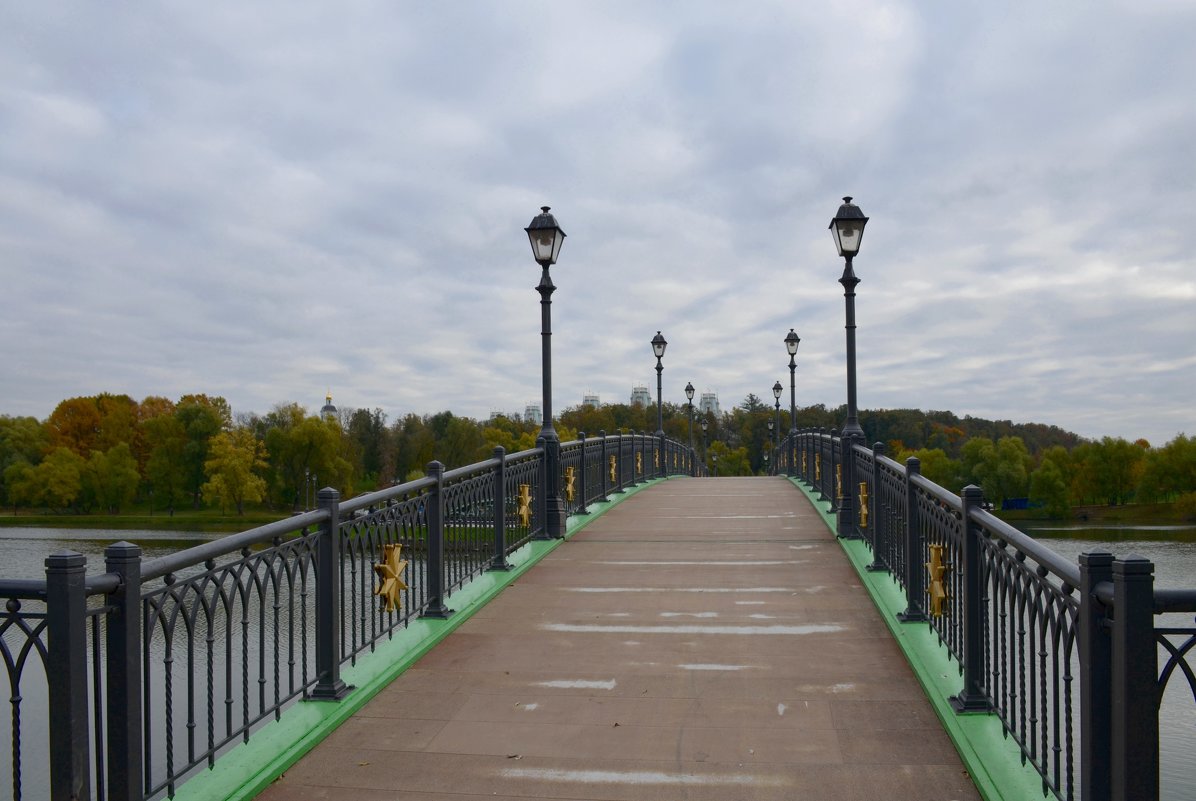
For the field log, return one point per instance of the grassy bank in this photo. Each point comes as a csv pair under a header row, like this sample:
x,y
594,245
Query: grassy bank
x,y
143,519
1146,514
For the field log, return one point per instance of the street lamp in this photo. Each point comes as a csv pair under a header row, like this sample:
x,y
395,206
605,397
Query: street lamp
x,y
658,346
847,227
705,444
772,437
689,395
777,389
791,342
546,238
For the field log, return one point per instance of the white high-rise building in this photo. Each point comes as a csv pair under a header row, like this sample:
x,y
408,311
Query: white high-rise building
x,y
709,404
590,399
533,414
640,396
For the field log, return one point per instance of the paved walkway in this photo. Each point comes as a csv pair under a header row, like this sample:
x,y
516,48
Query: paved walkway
x,y
706,639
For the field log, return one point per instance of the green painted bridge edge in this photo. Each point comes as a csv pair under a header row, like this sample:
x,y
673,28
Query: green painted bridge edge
x,y
993,761
249,768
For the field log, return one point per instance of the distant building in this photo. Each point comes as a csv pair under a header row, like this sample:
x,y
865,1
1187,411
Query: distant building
x,y
591,400
533,414
709,404
640,396
329,411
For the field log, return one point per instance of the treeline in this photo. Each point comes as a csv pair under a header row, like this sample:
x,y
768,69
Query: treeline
x,y
109,452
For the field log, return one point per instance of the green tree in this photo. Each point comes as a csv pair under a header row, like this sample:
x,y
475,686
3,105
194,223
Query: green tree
x,y
23,441
936,466
166,468
57,482
300,446
235,460
1117,466
202,418
110,478
1048,487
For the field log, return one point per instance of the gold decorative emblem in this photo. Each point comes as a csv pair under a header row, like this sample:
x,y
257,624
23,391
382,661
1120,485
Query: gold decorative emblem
x,y
570,474
818,467
864,504
524,504
804,463
657,454
839,481
639,462
674,460
938,581
390,575
612,470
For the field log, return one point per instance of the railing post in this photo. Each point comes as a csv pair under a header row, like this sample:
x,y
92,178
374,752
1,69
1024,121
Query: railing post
x,y
971,698
329,686
498,560
123,673
541,499
820,467
1096,680
663,456
435,512
617,482
915,577
602,464
872,533
1135,700
836,460
66,676
581,509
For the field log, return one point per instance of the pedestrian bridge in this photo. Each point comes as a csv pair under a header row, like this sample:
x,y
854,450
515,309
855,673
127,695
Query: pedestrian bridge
x,y
595,619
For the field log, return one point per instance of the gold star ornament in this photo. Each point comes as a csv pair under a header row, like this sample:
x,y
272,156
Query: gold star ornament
x,y
390,576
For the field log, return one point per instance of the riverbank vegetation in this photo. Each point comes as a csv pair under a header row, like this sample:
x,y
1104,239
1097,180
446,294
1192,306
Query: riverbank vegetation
x,y
112,461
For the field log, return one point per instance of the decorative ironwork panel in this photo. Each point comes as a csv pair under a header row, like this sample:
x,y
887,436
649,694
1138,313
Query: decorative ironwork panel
x,y
364,536
226,646
523,468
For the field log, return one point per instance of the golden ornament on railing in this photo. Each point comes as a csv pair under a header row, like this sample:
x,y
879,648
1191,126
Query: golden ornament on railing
x,y
657,454
390,575
570,474
938,581
804,464
524,504
639,463
839,481
818,467
864,504
613,472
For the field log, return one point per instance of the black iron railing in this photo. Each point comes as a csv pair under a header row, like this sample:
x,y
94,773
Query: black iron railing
x,y
153,668
1069,657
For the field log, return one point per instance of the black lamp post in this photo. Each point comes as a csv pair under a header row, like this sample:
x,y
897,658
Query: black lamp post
x,y
705,444
777,389
546,238
847,226
689,396
658,346
772,438
791,342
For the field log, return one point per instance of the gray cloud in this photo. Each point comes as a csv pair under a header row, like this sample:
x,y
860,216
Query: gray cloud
x,y
267,202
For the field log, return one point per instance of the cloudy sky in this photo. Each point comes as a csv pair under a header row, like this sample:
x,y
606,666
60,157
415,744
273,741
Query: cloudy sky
x,y
266,201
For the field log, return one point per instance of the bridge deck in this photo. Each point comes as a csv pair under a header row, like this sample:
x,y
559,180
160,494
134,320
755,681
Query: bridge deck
x,y
706,639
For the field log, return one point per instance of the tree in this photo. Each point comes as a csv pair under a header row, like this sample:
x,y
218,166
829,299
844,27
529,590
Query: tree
x,y
57,481
165,468
74,424
1049,484
936,466
300,446
1001,469
202,418
1117,466
23,440
234,462
110,478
